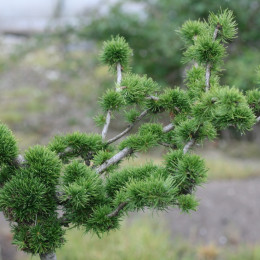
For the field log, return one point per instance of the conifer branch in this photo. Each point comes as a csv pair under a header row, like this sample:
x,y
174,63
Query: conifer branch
x,y
188,145
129,128
208,65
168,128
167,145
48,256
119,76
108,117
117,210
19,161
115,159
125,152
105,128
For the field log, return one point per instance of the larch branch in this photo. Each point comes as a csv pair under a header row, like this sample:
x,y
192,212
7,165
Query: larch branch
x,y
188,145
208,65
129,128
108,117
117,210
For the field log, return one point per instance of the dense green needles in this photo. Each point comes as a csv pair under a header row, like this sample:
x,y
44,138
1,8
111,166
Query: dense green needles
x,y
77,179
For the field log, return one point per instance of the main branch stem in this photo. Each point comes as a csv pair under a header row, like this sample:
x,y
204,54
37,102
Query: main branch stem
x,y
208,65
48,256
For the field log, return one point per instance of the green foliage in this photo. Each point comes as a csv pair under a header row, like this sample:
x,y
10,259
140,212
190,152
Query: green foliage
x,y
153,192
147,137
100,120
187,202
81,195
43,237
190,30
43,164
233,110
119,179
187,170
205,50
24,198
131,115
74,171
116,51
6,173
8,146
195,82
76,144
111,100
137,88
253,99
99,222
228,26
193,129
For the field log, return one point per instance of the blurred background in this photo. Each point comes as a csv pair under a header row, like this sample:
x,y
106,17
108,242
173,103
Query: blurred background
x,y
50,81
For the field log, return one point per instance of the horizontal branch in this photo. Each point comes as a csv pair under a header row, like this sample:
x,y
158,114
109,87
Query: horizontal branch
x,y
167,145
168,128
117,210
188,145
129,128
115,159
125,152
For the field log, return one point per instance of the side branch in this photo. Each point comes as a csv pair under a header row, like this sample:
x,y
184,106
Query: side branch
x,y
108,117
105,128
115,159
168,128
129,128
117,210
48,256
208,65
125,152
119,75
188,145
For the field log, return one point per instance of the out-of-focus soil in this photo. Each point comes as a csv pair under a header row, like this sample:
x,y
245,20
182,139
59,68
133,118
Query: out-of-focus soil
x,y
228,214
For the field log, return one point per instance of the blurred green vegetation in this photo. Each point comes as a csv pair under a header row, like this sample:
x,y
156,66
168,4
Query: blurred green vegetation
x,y
151,32
145,239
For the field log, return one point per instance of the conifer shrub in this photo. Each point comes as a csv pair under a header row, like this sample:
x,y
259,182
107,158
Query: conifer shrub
x,y
77,180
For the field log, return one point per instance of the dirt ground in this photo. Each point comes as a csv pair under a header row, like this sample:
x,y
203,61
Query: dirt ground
x,y
228,214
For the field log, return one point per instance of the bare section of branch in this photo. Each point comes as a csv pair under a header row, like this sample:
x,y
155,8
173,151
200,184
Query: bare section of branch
x,y
129,128
125,152
168,128
188,145
115,159
108,117
48,256
119,75
207,76
153,98
105,128
117,210
19,161
208,65
167,145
